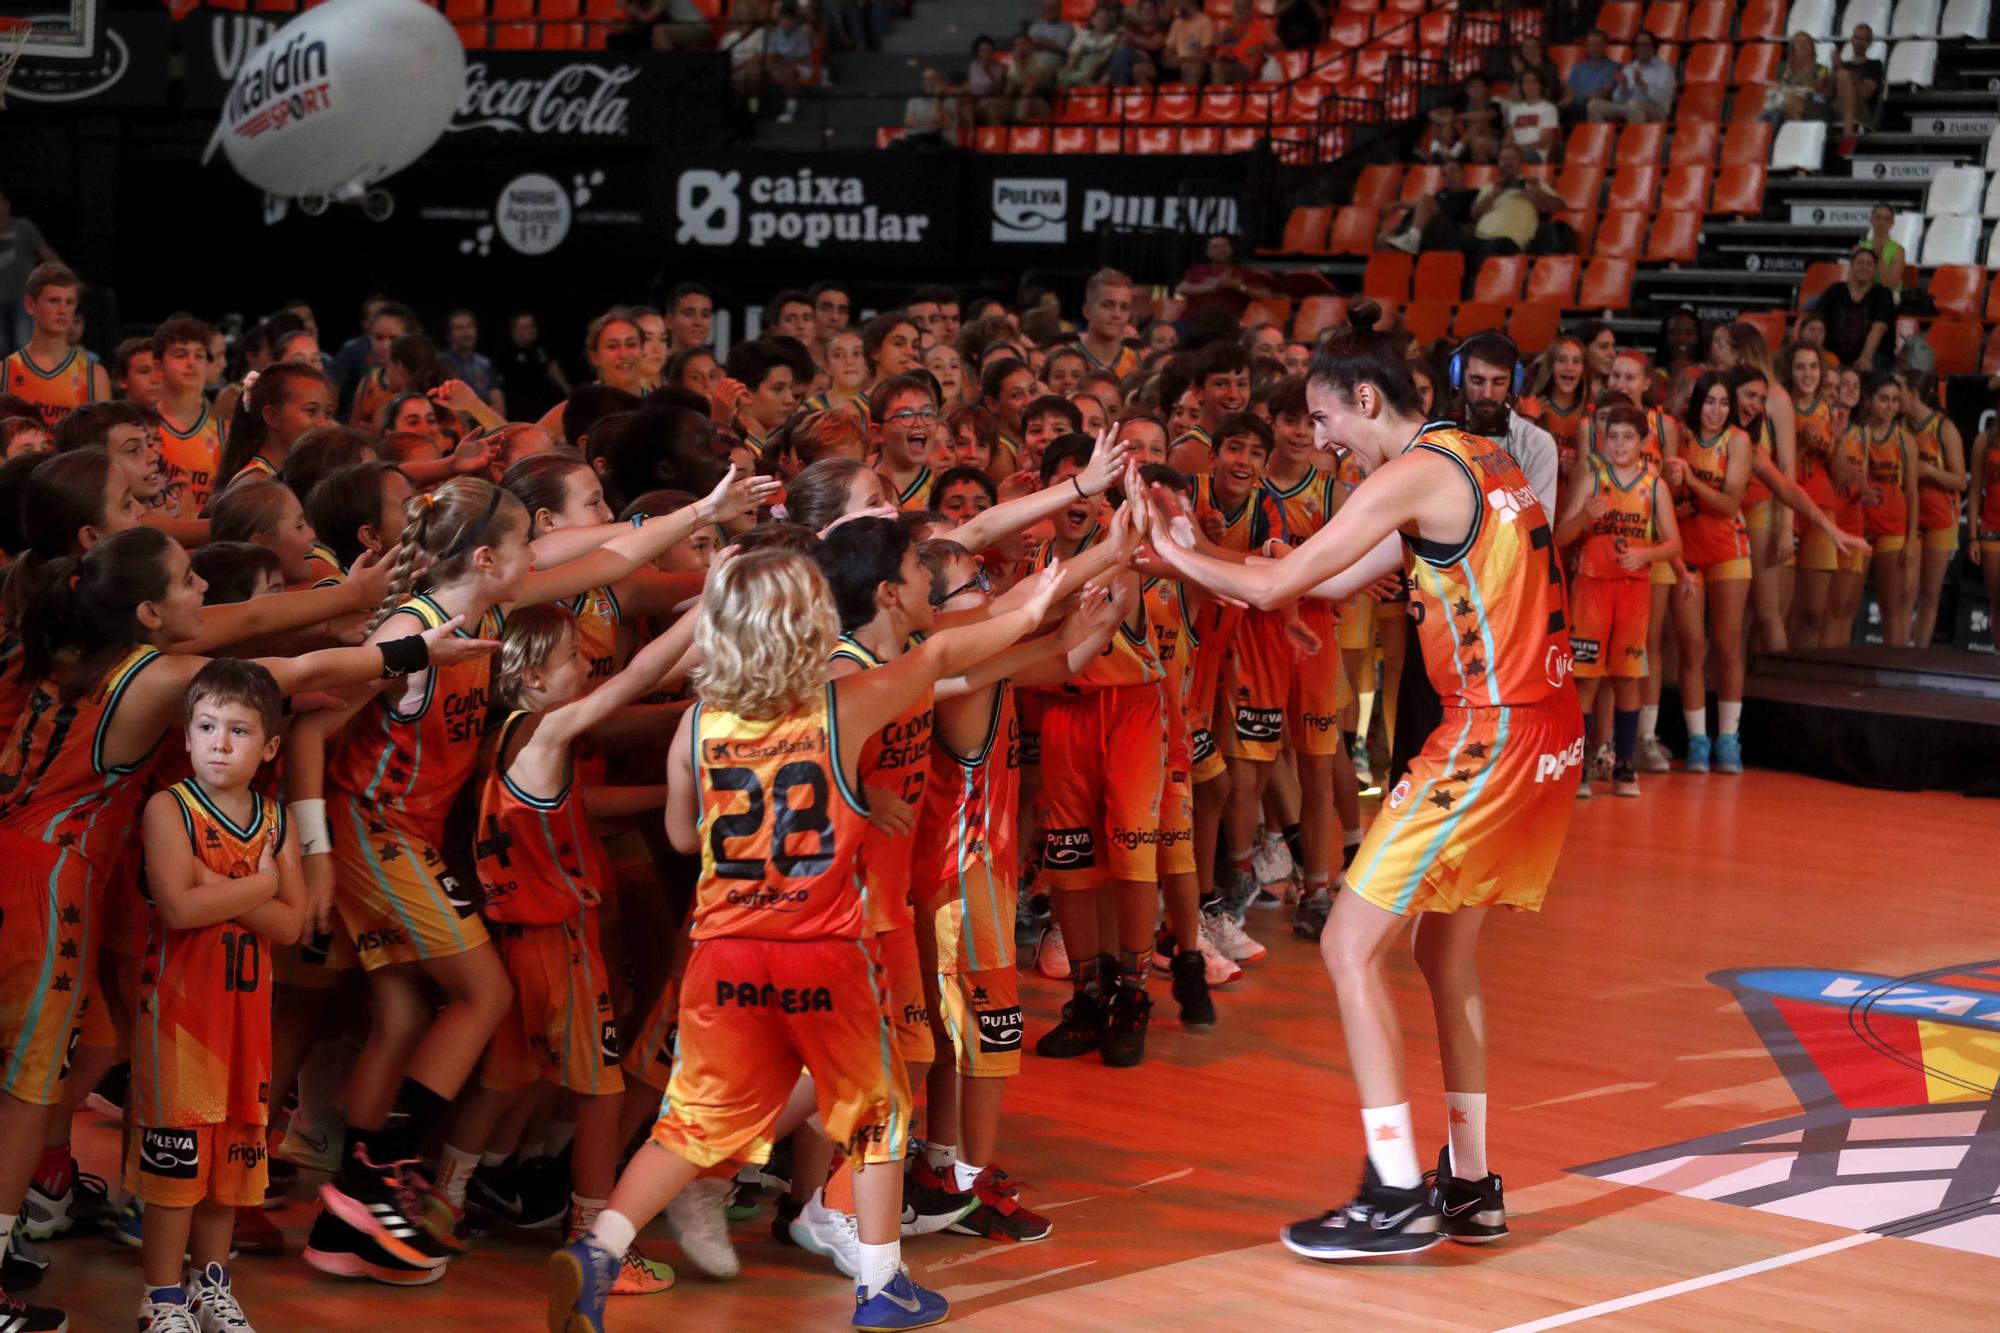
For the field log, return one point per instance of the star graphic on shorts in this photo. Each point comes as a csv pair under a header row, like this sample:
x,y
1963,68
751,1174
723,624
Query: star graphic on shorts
x,y
1461,607
1387,1133
603,999
1462,775
1476,750
1468,637
62,981
69,948
1476,667
147,977
377,826
145,1004
65,839
430,856
72,915
388,851
1442,799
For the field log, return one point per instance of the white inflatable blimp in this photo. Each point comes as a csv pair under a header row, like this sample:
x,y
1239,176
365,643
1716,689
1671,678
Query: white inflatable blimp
x,y
344,96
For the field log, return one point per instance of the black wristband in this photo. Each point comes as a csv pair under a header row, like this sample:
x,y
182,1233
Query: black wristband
x,y
402,656
1079,487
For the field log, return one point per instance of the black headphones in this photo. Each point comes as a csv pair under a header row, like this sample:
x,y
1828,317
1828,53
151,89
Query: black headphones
x,y
1455,368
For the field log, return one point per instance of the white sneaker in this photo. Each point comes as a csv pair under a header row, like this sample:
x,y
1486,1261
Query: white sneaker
x,y
1219,967
1051,959
831,1235
214,1304
1228,935
696,1219
167,1317
314,1147
1601,762
1272,861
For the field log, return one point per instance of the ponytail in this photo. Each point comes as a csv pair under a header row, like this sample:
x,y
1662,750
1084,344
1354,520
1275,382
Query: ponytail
x,y
85,608
247,429
1359,355
441,530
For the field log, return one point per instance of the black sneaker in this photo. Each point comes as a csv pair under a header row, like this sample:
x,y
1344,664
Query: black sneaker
x,y
23,1265
1124,1042
789,1208
931,1199
1471,1212
544,1192
1624,780
18,1316
1378,1222
1081,1029
494,1193
337,1249
380,1201
1191,991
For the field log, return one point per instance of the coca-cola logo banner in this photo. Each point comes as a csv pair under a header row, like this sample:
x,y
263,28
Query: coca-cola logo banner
x,y
584,98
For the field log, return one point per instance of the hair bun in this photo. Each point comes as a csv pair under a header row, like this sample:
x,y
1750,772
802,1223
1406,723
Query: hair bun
x,y
1364,314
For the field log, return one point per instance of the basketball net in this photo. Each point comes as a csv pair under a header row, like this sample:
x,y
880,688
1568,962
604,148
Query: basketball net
x,y
14,34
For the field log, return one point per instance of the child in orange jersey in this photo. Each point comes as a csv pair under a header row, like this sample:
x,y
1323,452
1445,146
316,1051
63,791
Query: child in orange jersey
x,y
51,372
190,434
222,870
764,782
1941,478
1625,515
1707,469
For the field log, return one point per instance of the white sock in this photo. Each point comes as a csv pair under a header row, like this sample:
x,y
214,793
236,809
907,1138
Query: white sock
x,y
1697,721
1350,837
455,1169
587,1212
528,1152
878,1266
1390,1145
561,1133
613,1232
938,1156
1728,716
1465,1113
963,1174
493,1161
1649,721
7,1221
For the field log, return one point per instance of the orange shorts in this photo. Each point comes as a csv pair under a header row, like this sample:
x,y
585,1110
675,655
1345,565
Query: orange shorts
x,y
1177,825
127,917
1208,763
1106,763
902,981
753,1013
1480,818
50,909
179,1168
395,894
1356,632
1608,623
1280,696
561,1028
649,1058
103,1026
982,1012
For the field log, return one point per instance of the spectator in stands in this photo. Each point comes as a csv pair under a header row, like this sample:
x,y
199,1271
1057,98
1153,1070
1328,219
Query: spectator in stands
x,y
1532,118
663,25
1858,314
1527,54
1220,284
462,361
1439,143
1300,24
1508,215
1645,88
1800,92
788,58
1888,251
1480,120
1027,88
1050,35
1858,86
530,378
932,115
1439,221
1594,76
1090,50
1190,43
1242,47
1142,36
866,23
986,82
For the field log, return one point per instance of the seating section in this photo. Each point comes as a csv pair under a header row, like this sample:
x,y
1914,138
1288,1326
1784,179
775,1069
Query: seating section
x,y
503,25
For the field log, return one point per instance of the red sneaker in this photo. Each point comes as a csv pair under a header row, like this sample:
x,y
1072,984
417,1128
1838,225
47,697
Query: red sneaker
x,y
1000,1215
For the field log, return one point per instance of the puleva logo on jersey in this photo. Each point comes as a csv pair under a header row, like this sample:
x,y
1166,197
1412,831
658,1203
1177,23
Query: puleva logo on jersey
x,y
1069,849
283,83
172,1153
1551,767
1000,1031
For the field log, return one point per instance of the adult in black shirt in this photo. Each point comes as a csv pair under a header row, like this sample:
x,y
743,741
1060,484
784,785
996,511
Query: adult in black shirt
x,y
1858,315
531,379
1857,84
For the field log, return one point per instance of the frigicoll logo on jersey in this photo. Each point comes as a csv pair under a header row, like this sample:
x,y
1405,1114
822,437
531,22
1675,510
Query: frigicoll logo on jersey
x,y
282,85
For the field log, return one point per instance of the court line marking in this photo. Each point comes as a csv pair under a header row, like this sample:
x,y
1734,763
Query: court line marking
x,y
1672,1290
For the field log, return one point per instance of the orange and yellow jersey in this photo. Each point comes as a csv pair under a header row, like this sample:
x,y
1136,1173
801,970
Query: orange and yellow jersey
x,y
897,758
1195,432
257,468
1304,508
55,392
1756,492
970,807
1653,443
1710,538
1126,362
1246,526
598,618
1937,508
1888,456
1492,619
780,829
201,1041
416,763
191,458
1128,659
1171,622
1627,523
1812,431
916,495
327,570
1989,498
56,785
1851,449
370,399
1566,426
538,862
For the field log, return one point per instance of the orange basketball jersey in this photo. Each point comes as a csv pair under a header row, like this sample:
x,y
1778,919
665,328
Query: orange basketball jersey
x,y
1492,619
1128,659
201,1042
970,807
538,862
916,495
1123,363
55,392
780,829
1711,538
192,457
1627,523
418,762
1174,643
1888,456
1812,430
896,758
1989,499
328,572
597,621
1937,508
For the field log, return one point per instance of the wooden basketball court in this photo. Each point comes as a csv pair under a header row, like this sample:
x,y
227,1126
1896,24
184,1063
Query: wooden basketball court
x,y
1826,1107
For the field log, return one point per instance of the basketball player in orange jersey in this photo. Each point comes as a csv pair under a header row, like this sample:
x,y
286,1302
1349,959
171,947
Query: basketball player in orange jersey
x,y
1107,314
190,434
1890,504
1625,515
764,782
222,872
1941,482
1707,471
1985,491
52,372
1631,378
1480,819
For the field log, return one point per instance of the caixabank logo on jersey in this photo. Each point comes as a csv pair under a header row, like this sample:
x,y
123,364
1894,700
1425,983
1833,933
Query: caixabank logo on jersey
x,y
799,209
283,83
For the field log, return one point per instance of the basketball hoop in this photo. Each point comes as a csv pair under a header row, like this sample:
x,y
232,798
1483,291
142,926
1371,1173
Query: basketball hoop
x,y
14,34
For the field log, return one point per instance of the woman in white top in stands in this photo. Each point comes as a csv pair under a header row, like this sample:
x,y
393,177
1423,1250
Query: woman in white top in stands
x,y
1532,119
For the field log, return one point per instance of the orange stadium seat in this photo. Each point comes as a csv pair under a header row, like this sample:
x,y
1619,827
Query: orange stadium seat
x,y
471,35
1564,58
1749,103
888,135
1135,105
1818,278
1387,276
1434,29
1956,345
1153,140
1584,222
1674,237
1666,19
1621,234
511,11
1694,144
1640,145
1421,182
1619,19
1316,315
1579,186
1499,278
1241,138
1739,189
1201,139
1686,188
1700,101
1762,21
1957,288
1440,276
1395,32
1347,28
1590,145
1354,230
1993,304
1070,138
1477,317
1428,320
1221,103
1747,143
1552,280
1174,105
1377,185
1709,21
1633,187
1756,62
514,36
1277,310
1770,325
1086,106
555,11
461,11
990,139
1028,139
1479,177
1989,364
1708,62
1305,231
1533,325
1607,284
1108,139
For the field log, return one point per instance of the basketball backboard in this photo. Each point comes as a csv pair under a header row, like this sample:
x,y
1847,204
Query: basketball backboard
x,y
64,29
